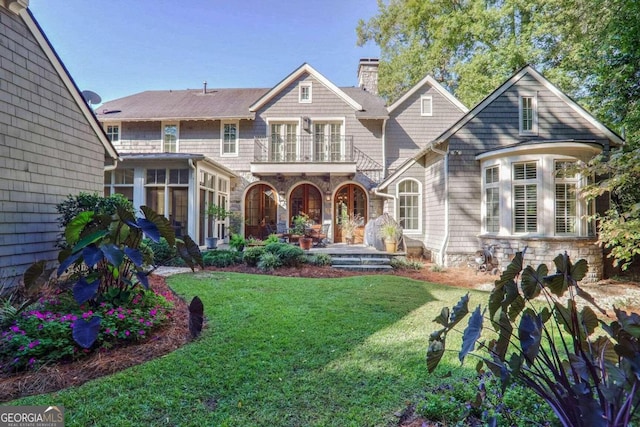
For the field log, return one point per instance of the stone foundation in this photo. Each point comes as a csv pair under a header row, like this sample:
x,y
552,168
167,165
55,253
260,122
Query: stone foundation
x,y
539,250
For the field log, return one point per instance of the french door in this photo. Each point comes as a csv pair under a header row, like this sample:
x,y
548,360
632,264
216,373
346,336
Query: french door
x,y
350,199
284,142
260,210
327,142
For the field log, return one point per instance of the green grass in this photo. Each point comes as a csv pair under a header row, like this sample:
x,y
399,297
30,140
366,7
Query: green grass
x,y
279,352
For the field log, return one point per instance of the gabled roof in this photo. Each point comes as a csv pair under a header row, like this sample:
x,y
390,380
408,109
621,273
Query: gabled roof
x,y
615,138
189,104
437,86
62,71
304,68
373,106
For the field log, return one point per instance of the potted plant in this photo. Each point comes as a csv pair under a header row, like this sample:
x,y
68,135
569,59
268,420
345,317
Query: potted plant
x,y
301,224
218,213
390,233
348,225
235,223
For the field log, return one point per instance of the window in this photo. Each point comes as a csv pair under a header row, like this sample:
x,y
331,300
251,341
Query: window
x,y
492,199
426,106
170,138
566,201
113,133
229,138
409,204
304,96
327,142
284,142
119,181
525,197
167,193
528,115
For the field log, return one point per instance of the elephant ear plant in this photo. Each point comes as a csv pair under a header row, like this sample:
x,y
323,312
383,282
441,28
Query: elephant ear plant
x,y
587,380
106,260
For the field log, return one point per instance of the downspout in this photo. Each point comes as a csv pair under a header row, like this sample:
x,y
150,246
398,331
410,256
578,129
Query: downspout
x,y
191,214
445,240
384,148
109,168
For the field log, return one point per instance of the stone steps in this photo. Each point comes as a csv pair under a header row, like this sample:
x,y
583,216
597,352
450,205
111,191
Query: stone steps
x,y
362,263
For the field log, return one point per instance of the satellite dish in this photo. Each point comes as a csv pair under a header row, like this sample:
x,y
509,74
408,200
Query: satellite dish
x,y
91,97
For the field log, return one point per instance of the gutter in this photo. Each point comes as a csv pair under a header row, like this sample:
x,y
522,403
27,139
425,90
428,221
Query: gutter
x,y
109,168
384,148
445,240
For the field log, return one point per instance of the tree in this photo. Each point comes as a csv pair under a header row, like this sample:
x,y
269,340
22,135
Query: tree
x,y
472,46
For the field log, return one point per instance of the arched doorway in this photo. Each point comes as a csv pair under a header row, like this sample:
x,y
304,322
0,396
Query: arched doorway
x,y
352,200
260,210
308,199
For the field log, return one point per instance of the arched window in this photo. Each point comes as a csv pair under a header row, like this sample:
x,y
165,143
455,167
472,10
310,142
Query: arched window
x,y
409,204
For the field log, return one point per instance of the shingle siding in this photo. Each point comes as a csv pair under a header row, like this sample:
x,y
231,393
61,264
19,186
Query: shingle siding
x,y
408,131
48,149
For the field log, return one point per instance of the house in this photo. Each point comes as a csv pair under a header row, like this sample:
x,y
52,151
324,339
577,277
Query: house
x,y
500,178
496,178
303,145
51,144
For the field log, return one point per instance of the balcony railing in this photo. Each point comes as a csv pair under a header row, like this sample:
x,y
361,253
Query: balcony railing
x,y
304,149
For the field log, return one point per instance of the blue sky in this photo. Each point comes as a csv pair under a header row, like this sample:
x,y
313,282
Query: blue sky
x,y
119,47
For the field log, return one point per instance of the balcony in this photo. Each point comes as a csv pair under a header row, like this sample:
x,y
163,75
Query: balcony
x,y
310,155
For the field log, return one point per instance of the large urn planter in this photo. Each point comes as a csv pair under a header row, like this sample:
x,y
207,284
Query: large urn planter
x,y
211,242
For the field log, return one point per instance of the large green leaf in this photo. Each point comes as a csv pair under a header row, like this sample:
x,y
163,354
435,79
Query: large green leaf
x,y
471,333
629,322
194,251
183,252
35,277
459,311
530,335
443,317
514,268
76,225
85,332
89,239
163,224
113,254
435,351
505,330
516,308
496,297
533,281
588,320
579,270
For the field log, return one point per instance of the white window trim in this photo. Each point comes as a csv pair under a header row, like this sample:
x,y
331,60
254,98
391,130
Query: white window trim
x,y
485,186
237,150
534,119
419,194
177,125
540,228
305,85
119,125
424,98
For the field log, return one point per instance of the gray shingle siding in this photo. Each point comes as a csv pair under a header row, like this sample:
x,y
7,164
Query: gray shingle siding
x,y
48,150
408,131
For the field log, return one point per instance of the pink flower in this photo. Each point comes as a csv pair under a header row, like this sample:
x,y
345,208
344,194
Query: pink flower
x,y
141,332
121,316
34,343
127,333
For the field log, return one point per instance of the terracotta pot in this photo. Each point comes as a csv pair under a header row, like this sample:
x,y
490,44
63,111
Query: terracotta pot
x,y
305,243
391,245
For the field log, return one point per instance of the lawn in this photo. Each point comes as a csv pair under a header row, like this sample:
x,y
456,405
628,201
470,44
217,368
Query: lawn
x,y
279,351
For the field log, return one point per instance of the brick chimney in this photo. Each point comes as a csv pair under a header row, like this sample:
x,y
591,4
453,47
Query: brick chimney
x,y
368,74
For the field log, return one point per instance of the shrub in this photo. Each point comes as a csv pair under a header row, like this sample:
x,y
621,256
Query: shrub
x,y
251,255
107,261
45,334
478,401
320,260
163,253
237,242
221,258
403,263
269,261
290,255
587,381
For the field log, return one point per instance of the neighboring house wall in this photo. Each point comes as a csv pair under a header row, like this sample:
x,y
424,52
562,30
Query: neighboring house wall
x,y
48,149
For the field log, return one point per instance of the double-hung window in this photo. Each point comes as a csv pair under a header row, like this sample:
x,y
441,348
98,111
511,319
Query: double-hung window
x,y
229,138
525,197
169,138
119,181
409,204
566,198
528,115
492,199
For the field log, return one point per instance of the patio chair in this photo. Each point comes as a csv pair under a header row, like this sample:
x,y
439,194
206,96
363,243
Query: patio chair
x,y
319,234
